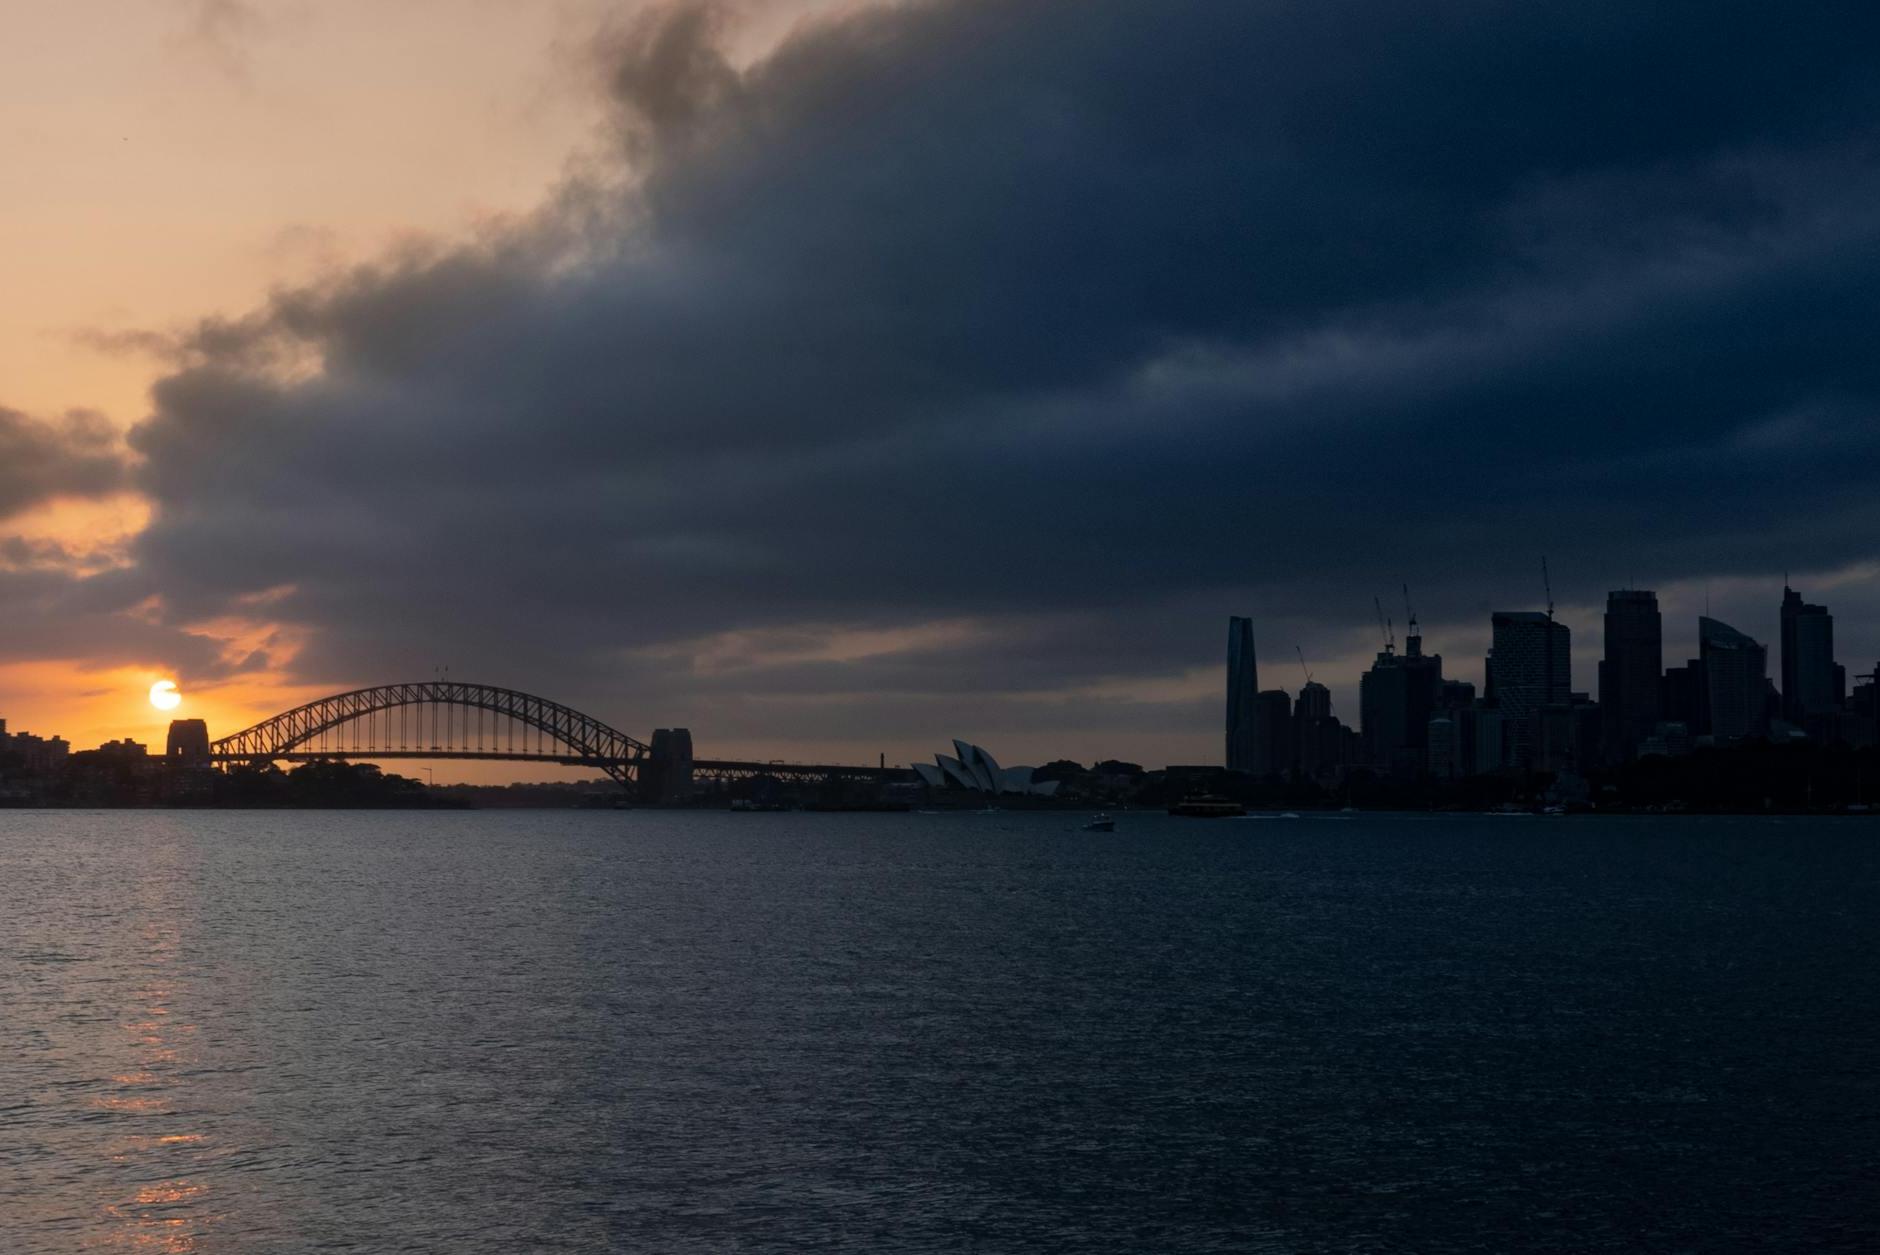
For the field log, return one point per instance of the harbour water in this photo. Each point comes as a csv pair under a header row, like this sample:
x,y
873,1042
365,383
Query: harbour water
x,y
522,1031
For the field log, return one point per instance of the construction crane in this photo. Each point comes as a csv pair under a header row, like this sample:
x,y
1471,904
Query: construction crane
x,y
1410,623
1302,663
1548,584
1384,625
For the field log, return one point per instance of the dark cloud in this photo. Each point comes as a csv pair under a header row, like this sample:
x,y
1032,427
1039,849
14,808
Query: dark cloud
x,y
77,455
98,621
1087,324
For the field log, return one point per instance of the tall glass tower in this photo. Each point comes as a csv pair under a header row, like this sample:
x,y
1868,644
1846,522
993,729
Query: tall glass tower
x,y
1631,674
1809,683
1243,691
1529,667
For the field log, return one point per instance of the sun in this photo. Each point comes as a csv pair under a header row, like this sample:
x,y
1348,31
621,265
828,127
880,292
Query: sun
x,y
163,695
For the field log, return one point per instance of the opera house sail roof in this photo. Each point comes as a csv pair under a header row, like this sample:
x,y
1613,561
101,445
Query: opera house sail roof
x,y
973,770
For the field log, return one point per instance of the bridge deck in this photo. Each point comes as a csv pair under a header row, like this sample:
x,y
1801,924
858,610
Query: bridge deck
x,y
701,766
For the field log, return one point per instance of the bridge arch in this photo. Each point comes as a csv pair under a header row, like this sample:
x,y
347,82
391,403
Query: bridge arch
x,y
582,739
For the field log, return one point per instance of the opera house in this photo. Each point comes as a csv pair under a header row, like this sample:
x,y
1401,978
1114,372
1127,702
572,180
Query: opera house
x,y
974,770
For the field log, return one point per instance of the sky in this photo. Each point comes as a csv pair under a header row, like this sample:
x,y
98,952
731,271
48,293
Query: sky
x,y
838,378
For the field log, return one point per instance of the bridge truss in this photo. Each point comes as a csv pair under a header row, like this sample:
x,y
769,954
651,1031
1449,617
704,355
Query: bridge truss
x,y
438,719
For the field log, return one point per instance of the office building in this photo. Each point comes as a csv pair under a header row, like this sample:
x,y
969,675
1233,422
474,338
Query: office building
x,y
1323,743
1396,698
1315,702
1568,735
1488,752
1631,673
1529,667
1272,733
1444,745
1810,682
1243,692
1735,679
1685,697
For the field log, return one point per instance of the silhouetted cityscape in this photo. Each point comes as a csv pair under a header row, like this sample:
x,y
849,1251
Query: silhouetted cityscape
x,y
1529,728
1713,733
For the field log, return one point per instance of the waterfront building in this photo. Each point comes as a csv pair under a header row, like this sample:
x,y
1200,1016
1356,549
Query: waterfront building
x,y
1736,680
1453,730
40,755
1529,667
1630,675
1567,735
1488,752
1444,742
1396,698
1864,699
1669,739
1243,691
1810,683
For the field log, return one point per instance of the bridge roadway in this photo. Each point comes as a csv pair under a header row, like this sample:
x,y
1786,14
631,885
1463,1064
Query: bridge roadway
x,y
709,768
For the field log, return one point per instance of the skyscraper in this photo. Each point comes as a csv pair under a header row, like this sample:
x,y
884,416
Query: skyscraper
x,y
1243,691
1322,740
1530,666
1736,674
1631,673
1315,702
1809,683
1396,698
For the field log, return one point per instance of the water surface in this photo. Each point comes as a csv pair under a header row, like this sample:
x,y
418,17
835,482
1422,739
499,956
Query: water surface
x,y
263,1032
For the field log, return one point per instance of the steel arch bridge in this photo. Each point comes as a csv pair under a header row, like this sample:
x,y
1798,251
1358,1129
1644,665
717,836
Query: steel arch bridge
x,y
439,719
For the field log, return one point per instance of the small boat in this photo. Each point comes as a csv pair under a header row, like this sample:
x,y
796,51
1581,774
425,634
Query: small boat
x,y
1100,823
1207,806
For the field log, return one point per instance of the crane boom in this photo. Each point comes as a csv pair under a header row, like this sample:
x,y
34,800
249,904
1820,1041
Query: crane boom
x,y
1384,628
1547,583
1302,663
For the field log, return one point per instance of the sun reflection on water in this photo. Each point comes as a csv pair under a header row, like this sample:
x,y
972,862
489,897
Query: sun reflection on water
x,y
170,1211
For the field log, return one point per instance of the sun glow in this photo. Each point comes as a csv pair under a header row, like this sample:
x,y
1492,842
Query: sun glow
x,y
163,695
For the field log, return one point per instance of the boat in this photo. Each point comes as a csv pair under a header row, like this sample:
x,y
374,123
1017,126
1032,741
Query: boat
x,y
1100,823
1207,806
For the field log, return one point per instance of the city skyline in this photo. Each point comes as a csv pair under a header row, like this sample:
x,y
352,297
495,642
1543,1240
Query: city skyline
x,y
609,358
1463,647
1530,720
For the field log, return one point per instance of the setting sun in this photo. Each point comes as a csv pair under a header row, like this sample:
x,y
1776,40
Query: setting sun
x,y
163,695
